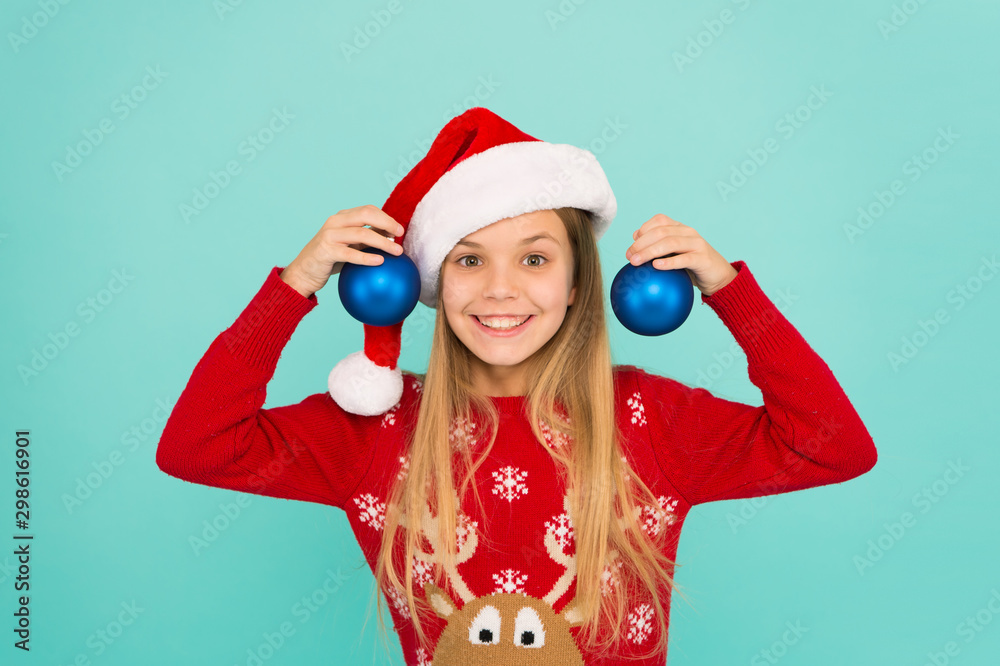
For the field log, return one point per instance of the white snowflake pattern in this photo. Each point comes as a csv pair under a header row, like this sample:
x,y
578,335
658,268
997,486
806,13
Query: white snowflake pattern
x,y
562,528
554,439
423,572
399,602
611,576
423,657
390,416
638,409
640,623
510,483
404,468
652,519
625,470
372,511
510,581
461,433
418,385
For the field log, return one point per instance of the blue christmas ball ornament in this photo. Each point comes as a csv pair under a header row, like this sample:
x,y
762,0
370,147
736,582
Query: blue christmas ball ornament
x,y
649,301
380,295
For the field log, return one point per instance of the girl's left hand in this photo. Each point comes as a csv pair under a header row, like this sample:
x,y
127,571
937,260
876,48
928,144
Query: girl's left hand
x,y
673,245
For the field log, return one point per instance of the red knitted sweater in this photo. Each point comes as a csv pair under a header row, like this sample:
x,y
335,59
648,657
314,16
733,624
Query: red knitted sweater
x,y
514,592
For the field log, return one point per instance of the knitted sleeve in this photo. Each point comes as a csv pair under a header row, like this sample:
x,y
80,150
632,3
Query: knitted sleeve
x,y
219,435
806,434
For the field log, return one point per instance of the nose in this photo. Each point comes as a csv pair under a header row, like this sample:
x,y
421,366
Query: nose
x,y
500,284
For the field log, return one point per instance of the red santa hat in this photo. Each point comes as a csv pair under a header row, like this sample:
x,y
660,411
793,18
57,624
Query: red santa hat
x,y
480,169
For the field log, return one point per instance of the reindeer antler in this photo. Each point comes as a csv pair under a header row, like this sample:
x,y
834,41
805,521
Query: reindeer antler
x,y
430,528
555,551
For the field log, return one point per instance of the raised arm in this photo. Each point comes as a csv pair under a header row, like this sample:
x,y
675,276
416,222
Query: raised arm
x,y
806,434
219,435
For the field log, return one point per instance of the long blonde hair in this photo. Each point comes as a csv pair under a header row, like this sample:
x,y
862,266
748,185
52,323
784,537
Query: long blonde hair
x,y
572,398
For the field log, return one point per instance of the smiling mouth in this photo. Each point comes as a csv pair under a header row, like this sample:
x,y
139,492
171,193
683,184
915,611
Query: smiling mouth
x,y
503,323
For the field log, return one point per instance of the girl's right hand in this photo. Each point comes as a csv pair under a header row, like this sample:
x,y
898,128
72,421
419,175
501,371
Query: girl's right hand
x,y
339,241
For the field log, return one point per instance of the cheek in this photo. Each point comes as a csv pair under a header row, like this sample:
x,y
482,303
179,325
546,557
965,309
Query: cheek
x,y
456,289
452,298
453,319
558,295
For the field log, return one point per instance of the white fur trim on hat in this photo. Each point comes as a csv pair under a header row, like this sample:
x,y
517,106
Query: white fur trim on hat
x,y
504,181
362,387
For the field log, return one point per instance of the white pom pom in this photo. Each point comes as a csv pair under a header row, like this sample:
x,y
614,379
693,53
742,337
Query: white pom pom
x,y
360,386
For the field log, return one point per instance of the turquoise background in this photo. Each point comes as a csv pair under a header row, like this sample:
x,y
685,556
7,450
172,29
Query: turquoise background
x,y
359,123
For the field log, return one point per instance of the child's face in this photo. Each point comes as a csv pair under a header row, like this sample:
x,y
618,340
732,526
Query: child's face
x,y
502,274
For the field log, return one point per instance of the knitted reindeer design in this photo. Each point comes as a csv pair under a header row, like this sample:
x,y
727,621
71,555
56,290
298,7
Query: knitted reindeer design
x,y
501,628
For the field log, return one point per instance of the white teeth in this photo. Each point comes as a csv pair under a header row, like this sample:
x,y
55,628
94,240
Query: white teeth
x,y
502,323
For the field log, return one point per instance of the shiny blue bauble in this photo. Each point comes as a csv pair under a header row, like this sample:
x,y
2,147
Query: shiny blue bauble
x,y
380,295
650,301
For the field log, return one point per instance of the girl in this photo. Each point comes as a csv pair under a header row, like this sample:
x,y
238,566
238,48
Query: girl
x,y
581,472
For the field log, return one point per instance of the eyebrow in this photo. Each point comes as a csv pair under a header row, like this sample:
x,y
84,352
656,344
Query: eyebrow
x,y
526,241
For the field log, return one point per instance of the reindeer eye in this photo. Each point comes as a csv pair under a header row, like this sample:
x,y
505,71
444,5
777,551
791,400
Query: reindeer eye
x,y
485,627
528,629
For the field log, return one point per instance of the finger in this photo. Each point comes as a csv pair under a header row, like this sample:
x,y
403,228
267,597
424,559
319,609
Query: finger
x,y
662,248
651,237
376,239
379,219
674,263
363,258
361,216
366,237
656,221
653,234
668,263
